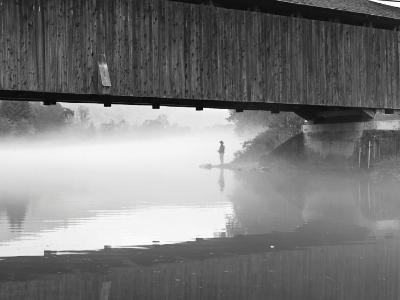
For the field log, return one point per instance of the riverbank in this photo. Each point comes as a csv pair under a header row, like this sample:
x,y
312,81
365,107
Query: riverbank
x,y
102,261
320,272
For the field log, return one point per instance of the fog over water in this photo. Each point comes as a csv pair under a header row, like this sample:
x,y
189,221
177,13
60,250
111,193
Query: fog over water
x,y
74,193
80,195
276,231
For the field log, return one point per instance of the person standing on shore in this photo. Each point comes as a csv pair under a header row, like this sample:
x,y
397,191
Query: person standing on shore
x,y
221,152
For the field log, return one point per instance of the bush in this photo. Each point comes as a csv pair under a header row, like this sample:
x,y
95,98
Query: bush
x,y
280,127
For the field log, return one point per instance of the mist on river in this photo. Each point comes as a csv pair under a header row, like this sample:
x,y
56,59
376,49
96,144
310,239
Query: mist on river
x,y
71,192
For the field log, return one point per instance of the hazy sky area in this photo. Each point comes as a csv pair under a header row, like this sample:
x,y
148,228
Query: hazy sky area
x,y
135,115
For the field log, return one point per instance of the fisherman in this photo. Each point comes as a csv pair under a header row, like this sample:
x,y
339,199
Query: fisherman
x,y
221,152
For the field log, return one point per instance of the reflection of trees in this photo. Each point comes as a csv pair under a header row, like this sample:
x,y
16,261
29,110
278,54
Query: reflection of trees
x,y
379,199
16,212
265,202
16,215
284,201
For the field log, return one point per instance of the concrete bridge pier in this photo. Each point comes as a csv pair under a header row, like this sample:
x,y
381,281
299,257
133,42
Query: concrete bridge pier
x,y
348,145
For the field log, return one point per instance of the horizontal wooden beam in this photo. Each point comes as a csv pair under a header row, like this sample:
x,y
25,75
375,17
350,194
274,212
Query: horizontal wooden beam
x,y
108,100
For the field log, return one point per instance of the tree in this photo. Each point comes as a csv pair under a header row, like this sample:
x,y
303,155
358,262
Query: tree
x,y
161,122
16,110
6,126
68,115
83,114
278,128
48,117
20,117
248,121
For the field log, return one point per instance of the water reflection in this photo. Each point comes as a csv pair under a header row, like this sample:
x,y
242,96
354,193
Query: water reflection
x,y
80,196
245,269
284,200
281,233
221,179
15,210
133,201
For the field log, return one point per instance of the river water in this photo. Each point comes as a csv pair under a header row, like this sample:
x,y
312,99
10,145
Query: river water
x,y
276,233
83,195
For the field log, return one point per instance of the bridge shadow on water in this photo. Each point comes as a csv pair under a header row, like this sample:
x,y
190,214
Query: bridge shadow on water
x,y
294,235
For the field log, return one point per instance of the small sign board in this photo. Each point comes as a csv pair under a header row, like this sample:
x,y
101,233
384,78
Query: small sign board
x,y
103,71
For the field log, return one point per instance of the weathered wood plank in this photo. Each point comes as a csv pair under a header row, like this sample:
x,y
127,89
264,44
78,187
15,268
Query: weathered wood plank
x,y
167,49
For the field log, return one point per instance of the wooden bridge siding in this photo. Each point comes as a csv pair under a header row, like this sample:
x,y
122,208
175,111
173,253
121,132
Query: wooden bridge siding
x,y
176,50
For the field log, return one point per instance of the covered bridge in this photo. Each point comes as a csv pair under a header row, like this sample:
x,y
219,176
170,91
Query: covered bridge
x,y
323,59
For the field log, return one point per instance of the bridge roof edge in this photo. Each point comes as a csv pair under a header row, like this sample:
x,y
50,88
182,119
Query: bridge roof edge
x,y
354,12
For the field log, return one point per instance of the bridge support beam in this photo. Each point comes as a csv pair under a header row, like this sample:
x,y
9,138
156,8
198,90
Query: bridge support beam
x,y
344,145
323,116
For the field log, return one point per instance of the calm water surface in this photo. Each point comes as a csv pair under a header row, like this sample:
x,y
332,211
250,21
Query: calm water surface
x,y
81,196
276,233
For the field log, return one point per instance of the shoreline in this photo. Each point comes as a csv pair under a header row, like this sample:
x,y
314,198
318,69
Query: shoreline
x,y
101,261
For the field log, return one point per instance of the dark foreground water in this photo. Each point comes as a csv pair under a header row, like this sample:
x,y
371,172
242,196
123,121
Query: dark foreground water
x,y
281,233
